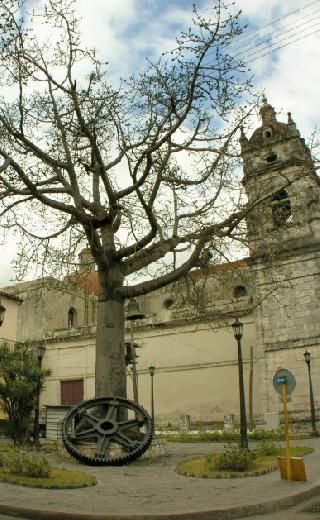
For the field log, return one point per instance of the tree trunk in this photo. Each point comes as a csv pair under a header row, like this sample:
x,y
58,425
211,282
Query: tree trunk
x,y
110,351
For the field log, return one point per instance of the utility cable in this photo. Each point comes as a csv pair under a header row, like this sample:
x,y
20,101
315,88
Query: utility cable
x,y
262,39
237,42
285,45
270,36
280,40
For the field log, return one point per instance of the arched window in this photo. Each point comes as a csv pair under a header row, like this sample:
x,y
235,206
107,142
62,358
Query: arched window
x,y
267,133
240,291
72,318
168,303
281,209
272,157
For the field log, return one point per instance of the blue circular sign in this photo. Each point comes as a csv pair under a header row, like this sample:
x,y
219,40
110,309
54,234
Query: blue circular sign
x,y
284,377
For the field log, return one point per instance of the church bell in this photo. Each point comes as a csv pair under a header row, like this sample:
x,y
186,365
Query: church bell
x,y
134,311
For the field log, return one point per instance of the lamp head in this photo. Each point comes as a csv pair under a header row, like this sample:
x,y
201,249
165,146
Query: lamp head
x,y
307,356
237,329
152,371
41,348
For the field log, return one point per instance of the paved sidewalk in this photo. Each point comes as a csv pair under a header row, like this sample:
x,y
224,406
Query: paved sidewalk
x,y
152,490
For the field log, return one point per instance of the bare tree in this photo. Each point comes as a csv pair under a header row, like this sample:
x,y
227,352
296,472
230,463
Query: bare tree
x,y
142,172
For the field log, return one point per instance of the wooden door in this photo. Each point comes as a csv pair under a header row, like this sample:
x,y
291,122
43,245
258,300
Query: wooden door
x,y
71,391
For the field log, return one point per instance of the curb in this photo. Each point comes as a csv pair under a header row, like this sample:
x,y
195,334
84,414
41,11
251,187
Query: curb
x,y
215,514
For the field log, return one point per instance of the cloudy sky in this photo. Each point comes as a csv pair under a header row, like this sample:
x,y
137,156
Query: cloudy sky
x,y
125,32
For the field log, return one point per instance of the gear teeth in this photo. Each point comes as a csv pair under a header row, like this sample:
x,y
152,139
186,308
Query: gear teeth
x,y
142,446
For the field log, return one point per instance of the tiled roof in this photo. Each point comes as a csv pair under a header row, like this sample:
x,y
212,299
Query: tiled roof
x,y
88,281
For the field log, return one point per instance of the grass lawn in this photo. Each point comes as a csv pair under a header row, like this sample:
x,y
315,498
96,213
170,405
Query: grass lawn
x,y
260,465
45,447
58,479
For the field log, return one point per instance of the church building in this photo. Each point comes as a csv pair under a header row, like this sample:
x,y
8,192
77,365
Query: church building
x,y
274,292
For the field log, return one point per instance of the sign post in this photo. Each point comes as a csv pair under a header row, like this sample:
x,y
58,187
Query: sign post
x,y
284,383
286,428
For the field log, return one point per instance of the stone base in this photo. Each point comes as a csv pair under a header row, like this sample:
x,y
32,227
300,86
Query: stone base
x,y
298,470
157,448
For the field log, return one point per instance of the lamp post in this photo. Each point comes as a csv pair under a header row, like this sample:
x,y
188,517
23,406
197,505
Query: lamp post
x,y
307,358
134,313
238,332
2,313
152,372
40,353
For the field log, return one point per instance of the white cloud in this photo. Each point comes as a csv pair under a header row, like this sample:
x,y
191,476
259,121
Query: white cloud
x,y
101,23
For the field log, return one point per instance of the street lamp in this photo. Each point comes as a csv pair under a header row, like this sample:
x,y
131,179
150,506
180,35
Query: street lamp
x,y
152,372
238,332
2,313
134,313
40,353
307,358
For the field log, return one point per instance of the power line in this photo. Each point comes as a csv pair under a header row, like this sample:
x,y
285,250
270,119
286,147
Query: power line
x,y
280,40
274,22
268,42
285,45
269,37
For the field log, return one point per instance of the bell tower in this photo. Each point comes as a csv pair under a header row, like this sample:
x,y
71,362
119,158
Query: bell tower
x,y
281,184
283,223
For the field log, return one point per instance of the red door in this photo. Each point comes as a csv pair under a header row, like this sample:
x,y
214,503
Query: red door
x,y
71,391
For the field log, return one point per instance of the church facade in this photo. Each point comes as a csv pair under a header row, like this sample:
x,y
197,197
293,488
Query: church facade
x,y
274,292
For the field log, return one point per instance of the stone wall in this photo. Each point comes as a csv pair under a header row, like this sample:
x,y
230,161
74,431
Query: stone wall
x,y
9,327
46,303
195,353
287,322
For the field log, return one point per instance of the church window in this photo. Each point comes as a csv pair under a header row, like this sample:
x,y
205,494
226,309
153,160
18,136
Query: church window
x,y
281,209
271,157
240,291
72,318
267,133
168,304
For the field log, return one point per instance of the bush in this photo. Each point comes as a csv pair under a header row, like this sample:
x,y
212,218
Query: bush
x,y
22,463
21,379
13,460
268,447
232,459
260,435
202,437
2,459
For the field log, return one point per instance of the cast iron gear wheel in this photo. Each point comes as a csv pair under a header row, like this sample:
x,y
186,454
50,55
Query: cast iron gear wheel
x,y
107,431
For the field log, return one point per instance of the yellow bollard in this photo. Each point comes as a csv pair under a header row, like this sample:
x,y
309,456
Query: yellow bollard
x,y
291,468
298,470
286,429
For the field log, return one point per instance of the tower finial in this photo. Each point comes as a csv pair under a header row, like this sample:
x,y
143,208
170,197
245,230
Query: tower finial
x,y
292,126
267,112
243,139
